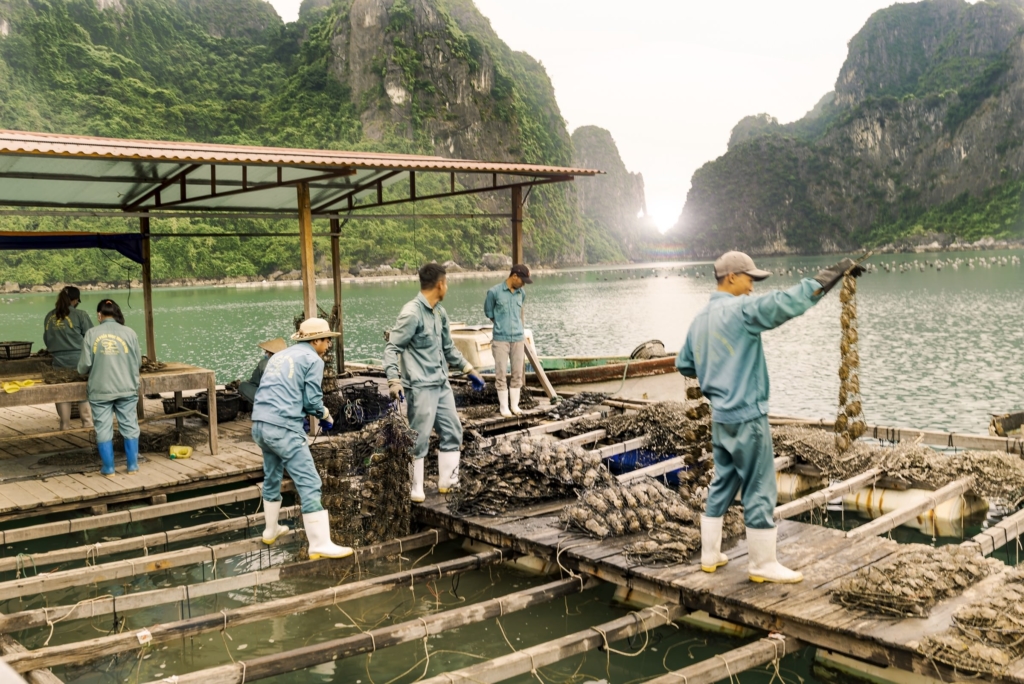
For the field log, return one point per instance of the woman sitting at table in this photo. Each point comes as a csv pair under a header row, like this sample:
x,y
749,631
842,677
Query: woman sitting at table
x,y
111,357
65,328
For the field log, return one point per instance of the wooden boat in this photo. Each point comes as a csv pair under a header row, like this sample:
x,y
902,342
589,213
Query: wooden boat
x,y
580,370
1007,424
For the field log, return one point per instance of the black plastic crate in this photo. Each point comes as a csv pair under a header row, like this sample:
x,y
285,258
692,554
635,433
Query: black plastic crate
x,y
10,351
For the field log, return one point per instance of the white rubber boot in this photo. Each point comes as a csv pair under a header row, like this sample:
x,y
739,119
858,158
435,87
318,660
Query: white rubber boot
x,y
416,473
514,394
711,556
271,512
318,534
447,470
503,404
763,564
64,413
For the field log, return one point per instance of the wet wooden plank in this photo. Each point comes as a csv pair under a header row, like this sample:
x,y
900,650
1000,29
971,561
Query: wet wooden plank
x,y
42,495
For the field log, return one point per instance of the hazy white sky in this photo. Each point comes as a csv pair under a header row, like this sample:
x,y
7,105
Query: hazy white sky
x,y
670,78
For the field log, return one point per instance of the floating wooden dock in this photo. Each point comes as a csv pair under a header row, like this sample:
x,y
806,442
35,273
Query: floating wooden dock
x,y
804,612
28,490
793,616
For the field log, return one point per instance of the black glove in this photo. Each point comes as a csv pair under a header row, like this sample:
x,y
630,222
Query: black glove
x,y
833,274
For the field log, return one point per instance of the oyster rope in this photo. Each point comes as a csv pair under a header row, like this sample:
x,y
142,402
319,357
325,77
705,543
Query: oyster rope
x,y
850,424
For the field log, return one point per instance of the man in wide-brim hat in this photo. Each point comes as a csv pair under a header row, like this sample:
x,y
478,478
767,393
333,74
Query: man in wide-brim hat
x,y
248,388
723,351
288,392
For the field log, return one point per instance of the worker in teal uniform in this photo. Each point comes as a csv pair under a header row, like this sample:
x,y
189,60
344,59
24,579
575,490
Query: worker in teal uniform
x,y
422,339
111,358
723,351
63,333
248,388
290,391
504,306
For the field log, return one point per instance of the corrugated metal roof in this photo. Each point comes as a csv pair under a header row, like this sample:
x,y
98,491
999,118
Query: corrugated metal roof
x,y
22,143
45,170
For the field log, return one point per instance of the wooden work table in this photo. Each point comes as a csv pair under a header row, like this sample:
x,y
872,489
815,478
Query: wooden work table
x,y
176,377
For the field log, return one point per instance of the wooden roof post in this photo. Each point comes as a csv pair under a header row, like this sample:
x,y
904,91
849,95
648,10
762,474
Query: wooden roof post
x,y
147,289
339,351
517,224
306,252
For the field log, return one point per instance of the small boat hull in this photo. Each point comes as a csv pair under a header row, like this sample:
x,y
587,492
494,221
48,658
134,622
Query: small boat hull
x,y
585,370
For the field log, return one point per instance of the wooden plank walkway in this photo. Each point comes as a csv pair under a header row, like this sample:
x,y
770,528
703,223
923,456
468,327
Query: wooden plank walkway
x,y
26,493
801,611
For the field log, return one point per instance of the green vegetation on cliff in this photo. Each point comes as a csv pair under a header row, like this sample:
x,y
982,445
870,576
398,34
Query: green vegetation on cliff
x,y
922,135
414,76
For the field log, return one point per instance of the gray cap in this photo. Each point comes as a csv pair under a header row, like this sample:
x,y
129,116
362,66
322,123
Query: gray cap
x,y
738,262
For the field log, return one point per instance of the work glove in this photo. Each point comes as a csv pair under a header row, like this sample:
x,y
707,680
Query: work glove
x,y
327,422
395,390
833,274
305,424
477,382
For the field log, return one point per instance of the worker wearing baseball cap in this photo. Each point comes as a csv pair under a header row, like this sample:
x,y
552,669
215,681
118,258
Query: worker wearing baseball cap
x,y
289,391
723,351
504,306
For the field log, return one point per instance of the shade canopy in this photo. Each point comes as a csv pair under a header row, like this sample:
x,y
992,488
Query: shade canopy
x,y
126,244
42,170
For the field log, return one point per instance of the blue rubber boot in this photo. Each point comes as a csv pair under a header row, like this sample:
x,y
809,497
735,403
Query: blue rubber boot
x,y
107,457
131,451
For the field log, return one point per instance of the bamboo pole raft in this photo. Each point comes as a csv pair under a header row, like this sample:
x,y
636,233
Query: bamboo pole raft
x,y
804,613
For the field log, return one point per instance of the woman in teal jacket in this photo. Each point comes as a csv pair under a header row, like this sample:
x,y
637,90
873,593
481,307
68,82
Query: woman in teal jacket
x,y
64,331
111,358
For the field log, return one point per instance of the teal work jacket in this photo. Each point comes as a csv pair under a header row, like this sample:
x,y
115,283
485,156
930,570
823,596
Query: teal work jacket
x,y
723,348
290,388
248,389
423,340
505,308
64,336
111,358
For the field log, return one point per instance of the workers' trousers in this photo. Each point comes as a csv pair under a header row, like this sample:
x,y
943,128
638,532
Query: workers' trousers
x,y
744,460
433,408
126,409
502,351
283,448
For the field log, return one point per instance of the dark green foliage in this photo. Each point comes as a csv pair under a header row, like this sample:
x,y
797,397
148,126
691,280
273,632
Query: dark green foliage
x,y
229,71
998,213
876,163
982,88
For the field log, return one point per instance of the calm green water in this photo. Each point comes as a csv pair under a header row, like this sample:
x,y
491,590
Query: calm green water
x,y
663,648
939,349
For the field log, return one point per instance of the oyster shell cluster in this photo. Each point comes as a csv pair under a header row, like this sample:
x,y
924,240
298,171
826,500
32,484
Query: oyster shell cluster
x,y
914,579
520,470
850,423
995,475
668,544
340,493
621,509
671,427
385,487
986,636
578,404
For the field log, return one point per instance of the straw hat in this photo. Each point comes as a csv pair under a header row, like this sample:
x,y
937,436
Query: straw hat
x,y
273,346
314,329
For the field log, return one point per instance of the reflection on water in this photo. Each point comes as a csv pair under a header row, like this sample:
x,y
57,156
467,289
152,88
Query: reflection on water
x,y
938,349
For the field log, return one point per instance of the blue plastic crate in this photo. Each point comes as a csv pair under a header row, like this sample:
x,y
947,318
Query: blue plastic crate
x,y
641,458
